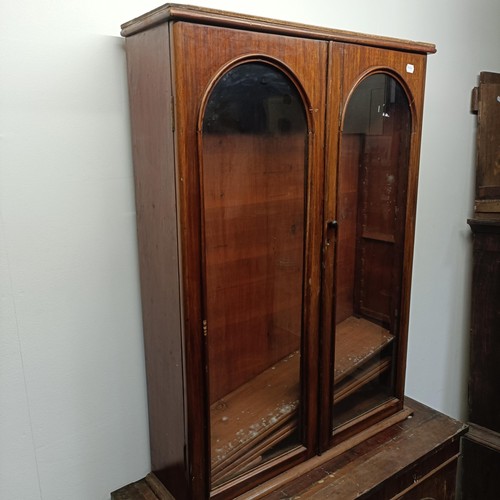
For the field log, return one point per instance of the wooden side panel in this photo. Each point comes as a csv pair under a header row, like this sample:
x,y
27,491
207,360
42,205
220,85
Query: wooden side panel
x,y
440,483
155,189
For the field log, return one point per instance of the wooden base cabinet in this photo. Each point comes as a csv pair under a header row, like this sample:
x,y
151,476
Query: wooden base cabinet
x,y
415,459
276,174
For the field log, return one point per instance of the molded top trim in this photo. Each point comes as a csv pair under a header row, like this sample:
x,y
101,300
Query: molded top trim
x,y
177,12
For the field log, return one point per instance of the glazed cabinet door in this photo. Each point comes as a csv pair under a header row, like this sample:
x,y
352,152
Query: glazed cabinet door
x,y
249,126
371,188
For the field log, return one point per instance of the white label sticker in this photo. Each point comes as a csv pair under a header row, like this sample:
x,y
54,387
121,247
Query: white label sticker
x,y
410,68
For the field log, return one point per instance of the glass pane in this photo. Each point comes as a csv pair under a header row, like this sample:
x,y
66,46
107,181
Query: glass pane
x,y
372,180
254,153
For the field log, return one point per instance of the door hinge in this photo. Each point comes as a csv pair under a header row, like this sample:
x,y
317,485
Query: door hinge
x,y
205,328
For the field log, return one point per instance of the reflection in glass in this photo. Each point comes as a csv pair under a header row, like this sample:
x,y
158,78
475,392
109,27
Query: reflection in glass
x,y
254,153
372,180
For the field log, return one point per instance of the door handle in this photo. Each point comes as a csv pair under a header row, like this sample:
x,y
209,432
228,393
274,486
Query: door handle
x,y
331,231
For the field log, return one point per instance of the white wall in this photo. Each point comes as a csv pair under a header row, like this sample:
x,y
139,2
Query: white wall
x,y
73,418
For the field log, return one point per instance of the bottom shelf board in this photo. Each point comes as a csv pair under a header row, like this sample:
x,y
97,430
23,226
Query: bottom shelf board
x,y
255,410
263,412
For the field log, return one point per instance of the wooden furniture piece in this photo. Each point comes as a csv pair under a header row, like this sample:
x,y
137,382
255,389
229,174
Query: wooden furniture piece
x,y
481,446
414,459
486,103
276,173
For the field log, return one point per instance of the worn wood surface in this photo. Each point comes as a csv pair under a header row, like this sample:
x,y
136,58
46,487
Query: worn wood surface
x,y
264,411
414,457
357,341
149,488
385,464
244,423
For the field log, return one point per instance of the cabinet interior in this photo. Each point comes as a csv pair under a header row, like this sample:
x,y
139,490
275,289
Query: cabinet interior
x,y
254,188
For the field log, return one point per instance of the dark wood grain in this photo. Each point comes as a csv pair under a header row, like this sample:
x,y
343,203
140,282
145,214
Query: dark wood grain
x,y
149,488
400,457
412,459
484,375
488,144
245,421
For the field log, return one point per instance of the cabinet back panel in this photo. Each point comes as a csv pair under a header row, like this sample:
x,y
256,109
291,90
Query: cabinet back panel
x,y
155,193
254,253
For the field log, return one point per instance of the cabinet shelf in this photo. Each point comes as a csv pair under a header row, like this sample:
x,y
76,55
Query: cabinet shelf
x,y
250,420
357,342
263,412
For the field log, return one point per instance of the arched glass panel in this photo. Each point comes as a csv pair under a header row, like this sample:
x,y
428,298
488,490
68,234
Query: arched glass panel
x,y
254,157
371,194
